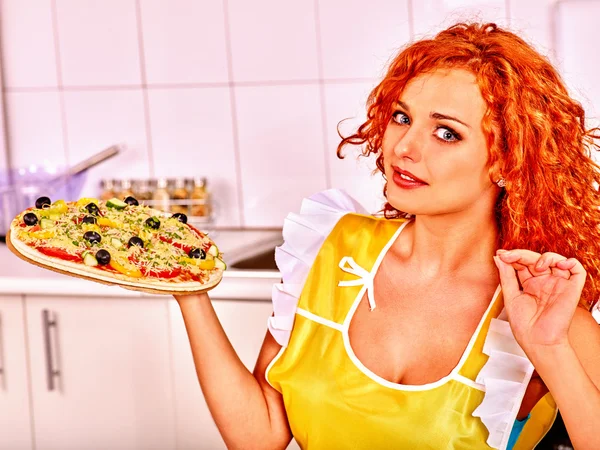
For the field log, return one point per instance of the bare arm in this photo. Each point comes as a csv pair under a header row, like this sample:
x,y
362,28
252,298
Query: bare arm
x,y
572,373
247,410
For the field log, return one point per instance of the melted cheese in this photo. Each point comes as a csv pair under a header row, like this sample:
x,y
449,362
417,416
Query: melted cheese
x,y
157,255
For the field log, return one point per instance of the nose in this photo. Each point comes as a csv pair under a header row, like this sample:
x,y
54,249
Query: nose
x,y
409,145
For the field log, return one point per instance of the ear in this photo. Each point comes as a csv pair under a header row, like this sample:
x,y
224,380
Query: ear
x,y
496,171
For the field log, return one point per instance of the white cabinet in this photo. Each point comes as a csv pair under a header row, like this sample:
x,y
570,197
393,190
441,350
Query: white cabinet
x,y
90,372
245,323
15,417
100,373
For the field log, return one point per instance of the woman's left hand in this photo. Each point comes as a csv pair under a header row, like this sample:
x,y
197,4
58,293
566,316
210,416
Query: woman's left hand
x,y
540,314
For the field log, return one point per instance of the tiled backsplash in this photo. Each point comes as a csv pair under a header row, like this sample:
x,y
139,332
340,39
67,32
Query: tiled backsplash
x,y
248,94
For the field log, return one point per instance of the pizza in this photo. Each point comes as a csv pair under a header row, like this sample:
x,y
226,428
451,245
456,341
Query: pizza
x,y
118,242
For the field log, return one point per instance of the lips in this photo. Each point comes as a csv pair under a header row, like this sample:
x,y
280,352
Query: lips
x,y
406,173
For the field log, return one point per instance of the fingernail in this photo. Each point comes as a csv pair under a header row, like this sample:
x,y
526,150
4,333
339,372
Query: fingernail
x,y
501,250
539,264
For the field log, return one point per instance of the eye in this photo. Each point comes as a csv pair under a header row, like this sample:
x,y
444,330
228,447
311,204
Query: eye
x,y
400,118
447,134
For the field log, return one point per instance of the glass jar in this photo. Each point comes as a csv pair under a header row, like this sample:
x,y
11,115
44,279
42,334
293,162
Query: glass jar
x,y
160,196
107,190
179,195
125,190
141,190
200,198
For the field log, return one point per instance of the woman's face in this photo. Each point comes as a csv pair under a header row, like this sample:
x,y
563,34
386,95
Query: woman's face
x,y
434,148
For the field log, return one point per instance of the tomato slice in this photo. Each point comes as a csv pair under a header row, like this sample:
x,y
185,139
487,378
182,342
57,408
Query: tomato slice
x,y
162,273
59,253
176,244
196,231
165,239
189,275
185,248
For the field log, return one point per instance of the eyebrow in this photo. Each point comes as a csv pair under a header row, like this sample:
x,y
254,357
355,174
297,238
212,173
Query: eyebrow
x,y
435,115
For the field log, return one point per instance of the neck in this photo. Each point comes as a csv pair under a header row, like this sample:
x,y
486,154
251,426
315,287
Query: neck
x,y
452,243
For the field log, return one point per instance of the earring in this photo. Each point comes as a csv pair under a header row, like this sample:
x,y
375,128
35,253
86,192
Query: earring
x,y
501,182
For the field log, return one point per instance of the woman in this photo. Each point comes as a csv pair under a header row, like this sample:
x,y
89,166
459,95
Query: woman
x,y
453,322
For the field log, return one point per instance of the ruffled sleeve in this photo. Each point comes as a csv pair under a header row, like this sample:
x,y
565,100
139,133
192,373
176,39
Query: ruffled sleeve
x,y
505,376
303,236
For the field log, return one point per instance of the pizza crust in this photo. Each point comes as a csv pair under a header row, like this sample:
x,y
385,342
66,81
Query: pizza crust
x,y
32,256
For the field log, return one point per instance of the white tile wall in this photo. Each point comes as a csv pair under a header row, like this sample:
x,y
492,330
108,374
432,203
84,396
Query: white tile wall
x,y
281,150
35,129
356,41
431,16
98,42
247,93
28,45
532,20
353,173
196,29
192,134
574,21
98,119
273,40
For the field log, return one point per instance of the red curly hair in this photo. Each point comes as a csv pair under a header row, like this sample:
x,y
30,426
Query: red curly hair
x,y
534,130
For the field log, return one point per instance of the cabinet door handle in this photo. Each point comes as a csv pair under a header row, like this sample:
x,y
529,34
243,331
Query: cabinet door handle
x,y
51,372
2,369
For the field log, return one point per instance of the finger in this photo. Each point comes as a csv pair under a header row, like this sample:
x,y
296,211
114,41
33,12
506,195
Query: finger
x,y
548,260
535,263
576,269
560,273
525,257
508,279
521,260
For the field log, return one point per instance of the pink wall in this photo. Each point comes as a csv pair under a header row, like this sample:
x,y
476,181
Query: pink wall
x,y
247,93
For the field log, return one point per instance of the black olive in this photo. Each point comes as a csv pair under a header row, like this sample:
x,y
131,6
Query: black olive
x,y
92,208
136,241
90,219
92,236
153,222
30,219
42,202
131,201
181,217
197,253
103,257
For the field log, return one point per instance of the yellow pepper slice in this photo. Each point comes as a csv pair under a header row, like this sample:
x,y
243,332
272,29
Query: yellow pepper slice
x,y
86,201
125,268
90,227
58,207
42,234
106,222
204,264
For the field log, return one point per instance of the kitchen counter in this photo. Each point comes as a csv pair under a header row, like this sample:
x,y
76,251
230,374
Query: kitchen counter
x,y
19,277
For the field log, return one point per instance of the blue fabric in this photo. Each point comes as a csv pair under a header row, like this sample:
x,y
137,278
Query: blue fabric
x,y
516,432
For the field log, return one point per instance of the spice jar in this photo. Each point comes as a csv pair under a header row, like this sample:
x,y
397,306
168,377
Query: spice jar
x,y
179,195
161,197
107,190
125,190
141,190
199,196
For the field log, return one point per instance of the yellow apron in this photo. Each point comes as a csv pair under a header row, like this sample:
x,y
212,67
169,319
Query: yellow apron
x,y
334,402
